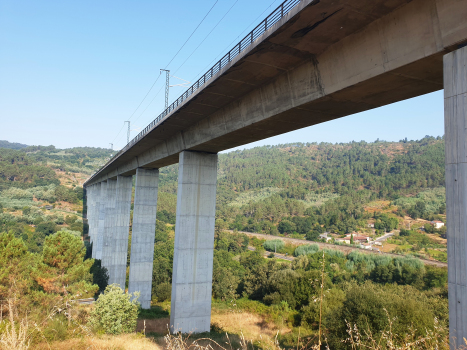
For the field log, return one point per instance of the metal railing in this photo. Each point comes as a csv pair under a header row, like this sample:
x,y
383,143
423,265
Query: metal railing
x,y
282,10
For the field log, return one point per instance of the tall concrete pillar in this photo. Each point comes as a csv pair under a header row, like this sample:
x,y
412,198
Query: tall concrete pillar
x,y
143,234
119,254
455,114
91,211
94,218
109,227
194,243
88,195
97,246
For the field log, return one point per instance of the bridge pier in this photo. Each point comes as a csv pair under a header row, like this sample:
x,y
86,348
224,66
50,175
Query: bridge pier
x,y
143,233
102,190
194,243
119,252
109,227
455,113
89,209
93,213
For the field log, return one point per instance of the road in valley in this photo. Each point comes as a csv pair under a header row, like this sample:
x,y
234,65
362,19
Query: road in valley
x,y
342,248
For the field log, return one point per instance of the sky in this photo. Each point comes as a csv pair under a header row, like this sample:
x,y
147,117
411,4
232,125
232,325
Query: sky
x,y
71,72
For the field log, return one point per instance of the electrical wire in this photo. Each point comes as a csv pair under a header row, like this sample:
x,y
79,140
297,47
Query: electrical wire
x,y
206,36
228,46
233,41
191,34
152,86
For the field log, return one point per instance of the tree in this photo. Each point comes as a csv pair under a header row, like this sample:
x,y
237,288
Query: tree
x,y
100,275
286,226
62,271
115,312
17,265
46,228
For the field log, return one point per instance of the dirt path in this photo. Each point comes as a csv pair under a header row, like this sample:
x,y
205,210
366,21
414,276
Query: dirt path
x,y
345,249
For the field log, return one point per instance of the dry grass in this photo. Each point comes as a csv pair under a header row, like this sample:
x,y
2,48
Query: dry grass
x,y
104,342
252,326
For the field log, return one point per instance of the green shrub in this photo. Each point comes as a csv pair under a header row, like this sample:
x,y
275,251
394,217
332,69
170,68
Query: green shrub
x,y
273,245
306,249
115,312
163,291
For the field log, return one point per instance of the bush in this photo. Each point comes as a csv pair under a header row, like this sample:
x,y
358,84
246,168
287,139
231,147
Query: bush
x,y
163,291
274,245
115,312
306,249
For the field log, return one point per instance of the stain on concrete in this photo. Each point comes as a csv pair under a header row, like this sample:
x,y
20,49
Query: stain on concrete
x,y
304,31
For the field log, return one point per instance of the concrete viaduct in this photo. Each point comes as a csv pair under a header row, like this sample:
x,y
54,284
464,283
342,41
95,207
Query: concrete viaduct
x,y
310,61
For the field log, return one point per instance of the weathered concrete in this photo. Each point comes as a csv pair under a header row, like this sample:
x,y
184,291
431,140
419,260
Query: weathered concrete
x,y
308,69
455,109
121,229
89,209
109,228
194,243
93,212
97,246
143,233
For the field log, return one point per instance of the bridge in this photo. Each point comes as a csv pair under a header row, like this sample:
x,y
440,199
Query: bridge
x,y
308,62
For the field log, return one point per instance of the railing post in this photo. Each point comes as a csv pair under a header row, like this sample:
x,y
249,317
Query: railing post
x,y
229,56
251,37
266,24
282,10
239,47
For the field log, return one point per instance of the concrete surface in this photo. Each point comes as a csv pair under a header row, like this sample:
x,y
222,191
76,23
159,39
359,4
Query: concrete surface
x,y
109,228
119,253
89,209
97,247
194,243
143,233
455,114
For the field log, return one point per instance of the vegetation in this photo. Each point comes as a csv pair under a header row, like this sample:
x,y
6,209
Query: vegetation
x,y
115,312
300,191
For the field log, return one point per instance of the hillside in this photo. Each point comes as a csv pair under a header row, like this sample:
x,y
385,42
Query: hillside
x,y
308,189
40,190
12,145
298,191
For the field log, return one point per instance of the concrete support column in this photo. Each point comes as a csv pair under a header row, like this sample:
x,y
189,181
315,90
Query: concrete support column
x,y
194,243
455,114
91,211
97,246
88,195
143,233
119,253
109,227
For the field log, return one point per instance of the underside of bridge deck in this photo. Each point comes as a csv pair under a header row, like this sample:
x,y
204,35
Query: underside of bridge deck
x,y
324,60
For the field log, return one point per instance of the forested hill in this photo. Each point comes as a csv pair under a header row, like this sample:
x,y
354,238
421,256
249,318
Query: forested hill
x,y
41,193
293,188
12,145
326,184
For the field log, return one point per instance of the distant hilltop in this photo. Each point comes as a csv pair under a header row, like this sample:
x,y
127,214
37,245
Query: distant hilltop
x,y
12,145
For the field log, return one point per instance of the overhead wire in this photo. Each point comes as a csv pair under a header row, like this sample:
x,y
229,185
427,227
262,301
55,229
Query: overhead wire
x,y
233,41
192,33
206,36
228,46
152,86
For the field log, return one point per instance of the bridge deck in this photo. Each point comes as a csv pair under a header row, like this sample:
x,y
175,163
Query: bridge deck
x,y
307,35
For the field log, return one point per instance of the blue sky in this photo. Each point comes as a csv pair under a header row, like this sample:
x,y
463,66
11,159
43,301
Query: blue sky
x,y
71,72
